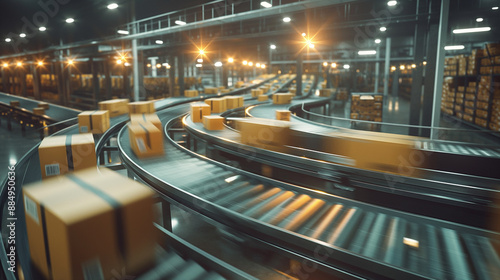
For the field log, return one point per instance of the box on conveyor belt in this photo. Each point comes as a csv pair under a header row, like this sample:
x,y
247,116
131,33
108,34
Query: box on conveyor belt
x,y
217,105
198,110
115,107
190,93
39,111
15,103
292,90
233,102
150,118
225,90
62,154
146,140
89,224
140,107
283,115
282,98
43,105
93,121
239,84
325,92
262,98
211,90
264,133
256,92
213,122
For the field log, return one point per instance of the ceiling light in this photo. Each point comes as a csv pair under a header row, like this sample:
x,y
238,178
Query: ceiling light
x,y
392,3
159,42
42,28
199,60
70,62
198,65
347,66
334,65
311,46
8,40
70,20
112,6
202,52
471,30
250,63
40,63
383,28
19,64
325,63
378,41
402,67
230,60
158,65
454,48
413,66
303,34
5,65
180,22
218,64
273,47
123,32
287,19
257,65
494,8
368,52
265,4
245,62
119,61
263,66
479,19
127,64
393,68
22,35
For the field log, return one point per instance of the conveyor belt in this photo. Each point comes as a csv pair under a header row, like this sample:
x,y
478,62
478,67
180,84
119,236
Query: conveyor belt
x,y
353,236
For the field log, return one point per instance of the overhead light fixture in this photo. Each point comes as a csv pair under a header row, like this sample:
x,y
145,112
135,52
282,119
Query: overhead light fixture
x,y
123,32
202,52
70,62
273,47
471,30
257,65
19,64
393,68
70,20
148,65
112,6
5,65
250,63
42,28
454,48
158,65
334,65
425,63
230,60
402,67
392,3
325,63
199,60
494,8
378,41
22,35
367,52
119,61
347,66
159,42
40,63
263,66
383,29
414,66
479,19
287,19
8,40
303,34
127,64
218,64
245,62
265,4
311,45
180,22
198,65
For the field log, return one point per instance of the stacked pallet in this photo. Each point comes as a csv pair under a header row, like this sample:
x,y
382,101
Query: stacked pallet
x,y
450,66
448,97
366,107
495,105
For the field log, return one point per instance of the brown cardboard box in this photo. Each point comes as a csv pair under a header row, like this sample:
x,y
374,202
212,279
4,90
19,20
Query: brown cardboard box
x,y
93,121
116,107
146,140
233,102
354,116
39,111
326,92
211,90
264,133
225,90
72,220
198,110
217,105
43,105
140,107
190,93
213,122
151,118
15,103
256,92
283,115
282,98
239,84
61,154
262,98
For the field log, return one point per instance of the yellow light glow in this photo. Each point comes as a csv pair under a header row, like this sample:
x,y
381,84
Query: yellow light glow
x,y
325,63
40,63
149,65
19,64
263,66
70,62
245,62
202,52
311,46
303,34
402,67
230,60
425,62
413,66
334,65
250,63
410,242
119,61
158,65
258,64
5,65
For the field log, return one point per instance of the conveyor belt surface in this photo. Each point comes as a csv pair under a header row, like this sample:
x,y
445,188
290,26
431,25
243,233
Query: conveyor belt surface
x,y
355,236
55,112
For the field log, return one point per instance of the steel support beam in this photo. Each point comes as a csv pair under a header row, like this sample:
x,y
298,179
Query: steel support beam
x,y
299,74
36,82
387,68
171,76
180,66
377,70
95,81
107,81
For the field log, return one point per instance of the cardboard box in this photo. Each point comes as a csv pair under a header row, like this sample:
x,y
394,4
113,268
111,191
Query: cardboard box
x,y
116,107
282,98
191,93
198,110
15,103
225,90
140,107
62,154
326,92
89,224
43,105
256,92
93,121
233,102
39,111
262,98
239,84
213,122
149,118
211,90
264,133
217,105
283,115
146,140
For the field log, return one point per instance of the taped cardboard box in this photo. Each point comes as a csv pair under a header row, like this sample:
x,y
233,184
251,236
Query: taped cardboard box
x,y
264,133
233,102
148,118
39,111
43,105
87,224
217,105
263,98
140,107
93,121
146,140
198,110
116,107
326,92
62,154
213,122
256,92
15,103
191,93
282,98
211,90
283,115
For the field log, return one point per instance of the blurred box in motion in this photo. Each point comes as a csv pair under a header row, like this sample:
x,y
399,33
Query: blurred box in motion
x,y
225,90
211,90
262,98
151,118
239,84
190,93
233,102
217,105
282,98
213,122
93,121
115,107
264,133
283,115
146,140
326,92
43,105
198,110
140,107
15,103
39,111
89,224
61,154
256,92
